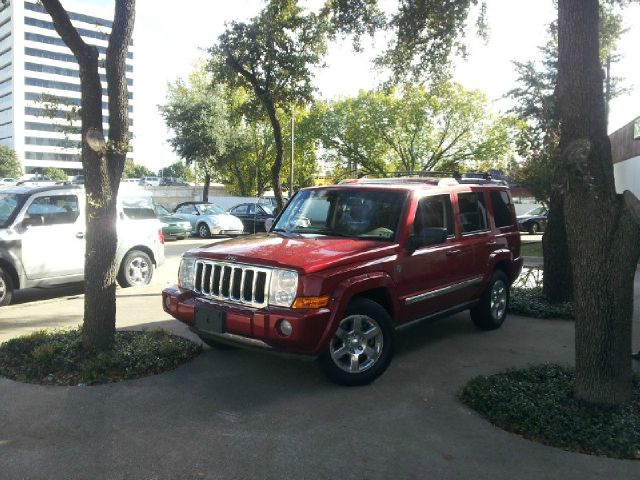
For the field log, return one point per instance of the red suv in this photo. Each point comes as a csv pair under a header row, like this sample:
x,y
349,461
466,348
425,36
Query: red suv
x,y
344,266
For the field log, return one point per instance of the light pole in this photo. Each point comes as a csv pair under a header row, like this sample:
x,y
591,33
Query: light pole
x,y
292,145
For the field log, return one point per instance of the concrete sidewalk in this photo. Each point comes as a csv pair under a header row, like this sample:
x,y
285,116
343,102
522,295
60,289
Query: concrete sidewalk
x,y
239,414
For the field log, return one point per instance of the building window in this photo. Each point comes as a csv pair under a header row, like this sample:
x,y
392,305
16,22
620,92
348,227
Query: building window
x,y
34,22
60,157
62,57
38,97
36,37
36,7
52,142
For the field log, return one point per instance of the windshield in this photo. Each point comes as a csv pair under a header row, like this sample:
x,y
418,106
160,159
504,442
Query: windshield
x,y
209,209
138,207
161,211
267,208
542,210
371,214
10,203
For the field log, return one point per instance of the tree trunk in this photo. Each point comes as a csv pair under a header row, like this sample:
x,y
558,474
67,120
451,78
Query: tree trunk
x,y
604,241
277,137
557,284
205,189
102,164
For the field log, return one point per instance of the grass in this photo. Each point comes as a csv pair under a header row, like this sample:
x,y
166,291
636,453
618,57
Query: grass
x,y
532,249
57,357
530,302
538,404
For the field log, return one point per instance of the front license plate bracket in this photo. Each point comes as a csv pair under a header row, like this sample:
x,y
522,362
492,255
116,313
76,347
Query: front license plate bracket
x,y
210,320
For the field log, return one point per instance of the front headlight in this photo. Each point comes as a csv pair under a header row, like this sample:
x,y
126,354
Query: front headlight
x,y
164,225
186,273
283,288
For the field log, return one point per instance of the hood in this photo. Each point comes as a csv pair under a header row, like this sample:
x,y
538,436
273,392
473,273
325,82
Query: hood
x,y
309,253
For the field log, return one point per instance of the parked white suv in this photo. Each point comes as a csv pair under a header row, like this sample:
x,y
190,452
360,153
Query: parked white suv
x,y
42,241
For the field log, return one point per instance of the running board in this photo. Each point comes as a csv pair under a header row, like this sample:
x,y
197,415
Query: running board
x,y
438,315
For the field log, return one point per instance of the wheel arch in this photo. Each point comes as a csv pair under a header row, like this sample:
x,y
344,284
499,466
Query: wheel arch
x,y
12,272
142,248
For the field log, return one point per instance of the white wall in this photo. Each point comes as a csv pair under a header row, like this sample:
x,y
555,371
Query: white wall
x,y
627,175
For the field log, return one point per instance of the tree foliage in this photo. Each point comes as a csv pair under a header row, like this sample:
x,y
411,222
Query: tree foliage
x,y
135,170
57,174
177,169
9,163
414,129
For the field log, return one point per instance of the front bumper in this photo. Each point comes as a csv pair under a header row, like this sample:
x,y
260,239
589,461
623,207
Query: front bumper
x,y
245,325
174,232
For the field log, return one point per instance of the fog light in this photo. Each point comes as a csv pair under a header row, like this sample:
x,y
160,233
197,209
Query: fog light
x,y
285,328
167,302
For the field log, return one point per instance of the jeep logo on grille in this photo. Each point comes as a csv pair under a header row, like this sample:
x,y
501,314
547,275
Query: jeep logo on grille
x,y
231,258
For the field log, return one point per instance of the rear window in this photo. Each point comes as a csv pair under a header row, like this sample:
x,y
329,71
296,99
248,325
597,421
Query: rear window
x,y
138,208
473,212
501,208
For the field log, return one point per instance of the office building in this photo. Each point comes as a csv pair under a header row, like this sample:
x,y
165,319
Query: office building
x,y
38,72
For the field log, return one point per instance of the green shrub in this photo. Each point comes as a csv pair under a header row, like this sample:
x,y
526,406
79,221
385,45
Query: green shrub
x,y
538,403
531,302
58,357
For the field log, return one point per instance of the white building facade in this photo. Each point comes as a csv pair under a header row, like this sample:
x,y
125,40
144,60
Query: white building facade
x,y
38,72
625,152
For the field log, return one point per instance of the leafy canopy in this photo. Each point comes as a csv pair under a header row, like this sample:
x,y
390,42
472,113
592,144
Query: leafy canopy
x,y
9,164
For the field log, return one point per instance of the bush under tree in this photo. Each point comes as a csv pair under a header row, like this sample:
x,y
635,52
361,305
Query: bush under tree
x,y
9,164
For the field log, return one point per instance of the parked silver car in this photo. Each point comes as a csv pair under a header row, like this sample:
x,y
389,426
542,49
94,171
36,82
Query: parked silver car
x,y
209,219
42,232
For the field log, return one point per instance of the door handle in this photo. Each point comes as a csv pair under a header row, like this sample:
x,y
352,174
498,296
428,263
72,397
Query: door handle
x,y
450,253
80,235
492,243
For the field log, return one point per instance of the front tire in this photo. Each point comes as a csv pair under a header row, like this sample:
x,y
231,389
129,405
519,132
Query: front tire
x,y
203,231
491,312
6,288
136,269
362,346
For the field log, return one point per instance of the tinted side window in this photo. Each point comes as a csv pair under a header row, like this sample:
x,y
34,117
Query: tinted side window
x,y
241,210
473,212
187,209
433,212
251,209
501,208
54,210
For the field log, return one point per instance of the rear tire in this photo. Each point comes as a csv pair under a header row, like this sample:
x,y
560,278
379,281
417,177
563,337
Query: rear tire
x,y
203,231
534,228
361,349
6,288
136,269
491,312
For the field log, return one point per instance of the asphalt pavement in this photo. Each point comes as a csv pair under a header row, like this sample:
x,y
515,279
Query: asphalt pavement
x,y
236,414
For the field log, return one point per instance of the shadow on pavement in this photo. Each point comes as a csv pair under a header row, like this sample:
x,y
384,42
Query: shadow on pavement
x,y
36,294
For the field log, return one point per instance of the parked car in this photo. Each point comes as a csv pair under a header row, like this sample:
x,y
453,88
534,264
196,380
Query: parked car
x,y
42,238
135,181
77,180
149,181
253,216
7,181
534,221
208,219
172,182
345,265
36,181
172,225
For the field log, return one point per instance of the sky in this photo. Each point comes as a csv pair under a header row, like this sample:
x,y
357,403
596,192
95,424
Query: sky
x,y
169,41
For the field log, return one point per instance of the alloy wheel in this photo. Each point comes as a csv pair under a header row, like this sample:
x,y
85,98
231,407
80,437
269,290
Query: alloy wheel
x,y
357,344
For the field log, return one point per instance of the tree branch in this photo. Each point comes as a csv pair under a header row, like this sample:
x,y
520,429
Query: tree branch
x,y
61,22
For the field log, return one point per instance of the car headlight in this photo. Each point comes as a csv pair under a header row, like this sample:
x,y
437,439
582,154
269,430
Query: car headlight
x,y
186,225
283,288
164,225
186,273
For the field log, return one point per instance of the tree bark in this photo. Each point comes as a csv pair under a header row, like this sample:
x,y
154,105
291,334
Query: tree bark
x,y
205,188
557,285
604,241
102,163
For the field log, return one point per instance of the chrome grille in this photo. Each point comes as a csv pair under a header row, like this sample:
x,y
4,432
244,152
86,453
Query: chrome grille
x,y
232,282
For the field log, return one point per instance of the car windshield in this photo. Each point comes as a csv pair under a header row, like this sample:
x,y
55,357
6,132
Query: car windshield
x,y
542,210
138,207
371,214
10,203
267,208
208,209
161,211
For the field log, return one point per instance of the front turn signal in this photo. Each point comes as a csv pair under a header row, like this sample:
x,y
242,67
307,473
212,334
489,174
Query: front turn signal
x,y
311,302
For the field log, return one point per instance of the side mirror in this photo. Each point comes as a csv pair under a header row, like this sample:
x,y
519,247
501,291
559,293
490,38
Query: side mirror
x,y
426,237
